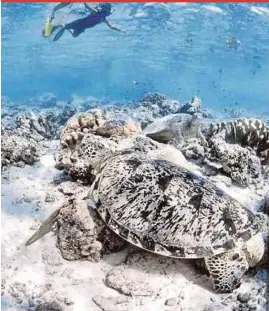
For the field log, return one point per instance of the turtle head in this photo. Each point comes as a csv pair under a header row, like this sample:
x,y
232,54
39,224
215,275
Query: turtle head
x,y
196,118
254,249
192,125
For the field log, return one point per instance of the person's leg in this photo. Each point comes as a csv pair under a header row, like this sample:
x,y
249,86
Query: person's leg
x,y
77,32
75,28
59,7
59,34
76,23
55,27
71,32
52,31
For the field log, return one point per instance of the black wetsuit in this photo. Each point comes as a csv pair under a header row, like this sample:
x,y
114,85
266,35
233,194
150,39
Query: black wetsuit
x,y
89,21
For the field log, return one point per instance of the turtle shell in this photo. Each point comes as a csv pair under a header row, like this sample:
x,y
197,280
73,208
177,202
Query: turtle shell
x,y
166,209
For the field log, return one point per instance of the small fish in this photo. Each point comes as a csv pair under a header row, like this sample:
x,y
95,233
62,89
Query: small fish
x,y
233,43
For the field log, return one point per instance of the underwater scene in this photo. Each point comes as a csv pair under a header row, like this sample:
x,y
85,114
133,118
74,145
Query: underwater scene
x,y
135,156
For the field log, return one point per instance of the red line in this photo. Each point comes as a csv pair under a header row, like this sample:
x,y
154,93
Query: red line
x,y
190,1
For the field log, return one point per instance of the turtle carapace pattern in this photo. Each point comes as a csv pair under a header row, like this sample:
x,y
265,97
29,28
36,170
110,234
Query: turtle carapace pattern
x,y
168,210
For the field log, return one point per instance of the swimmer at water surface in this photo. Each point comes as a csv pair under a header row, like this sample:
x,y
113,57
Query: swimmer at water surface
x,y
97,16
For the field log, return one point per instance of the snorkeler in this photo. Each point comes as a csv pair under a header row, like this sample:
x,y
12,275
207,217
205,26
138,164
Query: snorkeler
x,y
97,15
49,27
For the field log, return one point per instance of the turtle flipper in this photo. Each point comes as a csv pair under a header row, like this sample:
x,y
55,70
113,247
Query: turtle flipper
x,y
47,225
227,269
162,136
45,228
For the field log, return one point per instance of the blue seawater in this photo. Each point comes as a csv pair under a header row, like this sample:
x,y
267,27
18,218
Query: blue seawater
x,y
219,52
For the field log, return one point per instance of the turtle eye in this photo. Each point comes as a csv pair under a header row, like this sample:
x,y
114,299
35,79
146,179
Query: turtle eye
x,y
235,256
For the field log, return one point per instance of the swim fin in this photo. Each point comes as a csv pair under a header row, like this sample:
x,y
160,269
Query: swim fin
x,y
59,34
48,27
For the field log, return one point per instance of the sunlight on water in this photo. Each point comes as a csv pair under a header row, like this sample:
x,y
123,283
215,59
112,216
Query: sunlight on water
x,y
219,52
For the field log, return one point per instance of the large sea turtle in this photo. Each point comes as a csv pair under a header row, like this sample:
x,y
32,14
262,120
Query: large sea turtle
x,y
166,209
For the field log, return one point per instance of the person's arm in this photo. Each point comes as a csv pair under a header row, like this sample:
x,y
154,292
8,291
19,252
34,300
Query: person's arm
x,y
59,7
114,28
89,7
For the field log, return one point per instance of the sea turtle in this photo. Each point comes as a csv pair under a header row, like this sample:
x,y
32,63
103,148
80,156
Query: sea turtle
x,y
175,128
168,210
